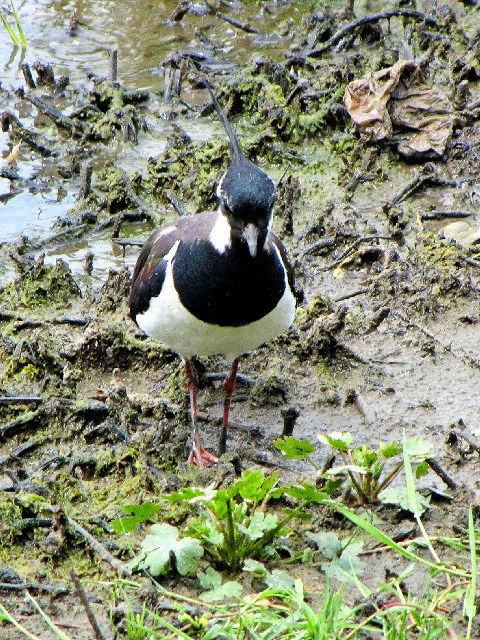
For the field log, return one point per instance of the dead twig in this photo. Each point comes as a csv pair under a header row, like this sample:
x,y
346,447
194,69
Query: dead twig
x,y
441,473
440,215
239,25
97,632
352,26
114,65
352,248
33,586
11,123
76,127
21,400
27,74
353,294
85,181
427,176
118,565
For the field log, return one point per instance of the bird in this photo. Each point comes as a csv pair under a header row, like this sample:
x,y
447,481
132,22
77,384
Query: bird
x,y
217,283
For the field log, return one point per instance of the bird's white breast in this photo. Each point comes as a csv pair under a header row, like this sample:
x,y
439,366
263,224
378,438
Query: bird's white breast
x,y
167,320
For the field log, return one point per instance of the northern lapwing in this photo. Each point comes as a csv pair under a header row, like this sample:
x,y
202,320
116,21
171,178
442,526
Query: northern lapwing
x,y
217,283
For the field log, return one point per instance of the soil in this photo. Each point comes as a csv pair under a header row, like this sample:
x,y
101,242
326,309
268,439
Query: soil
x,y
386,340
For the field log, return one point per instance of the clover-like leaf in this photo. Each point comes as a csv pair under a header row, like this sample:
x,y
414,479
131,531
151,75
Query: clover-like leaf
x,y
400,497
339,440
293,448
259,524
217,591
327,543
422,469
280,580
137,513
160,543
417,448
254,566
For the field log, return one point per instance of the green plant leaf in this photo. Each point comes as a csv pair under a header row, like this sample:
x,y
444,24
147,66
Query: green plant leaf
x,y
327,543
306,492
253,485
293,448
417,448
191,495
344,468
137,513
339,440
401,498
160,543
217,591
364,456
390,449
422,469
254,566
209,579
280,580
205,530
258,525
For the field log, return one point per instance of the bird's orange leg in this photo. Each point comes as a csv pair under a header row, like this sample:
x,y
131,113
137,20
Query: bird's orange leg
x,y
228,389
198,455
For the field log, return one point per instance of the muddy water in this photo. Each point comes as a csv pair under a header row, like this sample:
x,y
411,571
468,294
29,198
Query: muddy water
x,y
143,35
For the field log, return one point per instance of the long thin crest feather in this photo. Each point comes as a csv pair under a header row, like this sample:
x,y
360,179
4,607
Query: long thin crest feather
x,y
237,153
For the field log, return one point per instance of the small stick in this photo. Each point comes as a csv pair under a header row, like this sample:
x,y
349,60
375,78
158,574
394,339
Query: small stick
x,y
114,65
75,126
27,74
239,25
20,400
86,181
88,263
86,605
439,215
175,202
347,296
447,347
325,243
352,247
129,243
32,586
118,565
386,15
433,464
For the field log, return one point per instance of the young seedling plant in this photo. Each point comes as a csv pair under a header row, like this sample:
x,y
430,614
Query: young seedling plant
x,y
370,470
228,525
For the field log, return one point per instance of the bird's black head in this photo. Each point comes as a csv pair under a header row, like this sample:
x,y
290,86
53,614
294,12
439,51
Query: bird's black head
x,y
247,193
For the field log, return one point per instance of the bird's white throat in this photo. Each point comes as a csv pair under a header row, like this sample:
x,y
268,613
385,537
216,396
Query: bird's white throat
x,y
221,234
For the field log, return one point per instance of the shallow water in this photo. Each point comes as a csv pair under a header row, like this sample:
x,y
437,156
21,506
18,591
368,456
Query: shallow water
x,y
143,36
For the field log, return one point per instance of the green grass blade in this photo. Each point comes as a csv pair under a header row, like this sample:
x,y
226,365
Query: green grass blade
x,y
23,40
412,498
58,632
4,615
11,32
386,540
469,606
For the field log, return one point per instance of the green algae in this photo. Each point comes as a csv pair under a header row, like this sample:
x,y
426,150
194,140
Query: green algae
x,y
39,286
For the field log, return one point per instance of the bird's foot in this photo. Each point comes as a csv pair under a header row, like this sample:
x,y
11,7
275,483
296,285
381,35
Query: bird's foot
x,y
202,458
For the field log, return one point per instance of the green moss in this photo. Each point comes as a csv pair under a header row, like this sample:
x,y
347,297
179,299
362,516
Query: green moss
x,y
39,286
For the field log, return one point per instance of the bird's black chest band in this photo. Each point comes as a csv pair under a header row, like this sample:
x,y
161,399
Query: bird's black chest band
x,y
230,289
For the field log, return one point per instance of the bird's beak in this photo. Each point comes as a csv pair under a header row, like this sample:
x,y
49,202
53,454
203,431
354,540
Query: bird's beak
x,y
250,234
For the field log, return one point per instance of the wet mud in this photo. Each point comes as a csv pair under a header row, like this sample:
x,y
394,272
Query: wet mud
x,y
94,415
